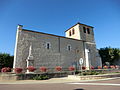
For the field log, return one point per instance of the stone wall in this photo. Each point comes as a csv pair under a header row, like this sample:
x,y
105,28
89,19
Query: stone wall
x,y
58,53
55,56
93,77
85,36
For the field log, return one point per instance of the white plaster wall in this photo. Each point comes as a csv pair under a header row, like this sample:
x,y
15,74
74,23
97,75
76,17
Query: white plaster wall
x,y
77,32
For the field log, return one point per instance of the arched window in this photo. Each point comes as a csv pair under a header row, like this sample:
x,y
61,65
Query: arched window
x,y
84,29
48,45
88,30
69,33
73,31
69,47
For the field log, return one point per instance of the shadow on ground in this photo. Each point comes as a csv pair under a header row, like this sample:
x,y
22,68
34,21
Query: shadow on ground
x,y
79,89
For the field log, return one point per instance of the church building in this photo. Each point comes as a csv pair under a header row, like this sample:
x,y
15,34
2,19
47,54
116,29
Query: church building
x,y
38,49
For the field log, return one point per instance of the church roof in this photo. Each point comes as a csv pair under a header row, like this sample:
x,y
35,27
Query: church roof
x,y
50,34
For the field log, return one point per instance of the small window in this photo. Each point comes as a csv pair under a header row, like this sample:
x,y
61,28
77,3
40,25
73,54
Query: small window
x,y
68,47
69,33
48,45
77,51
88,30
73,31
84,29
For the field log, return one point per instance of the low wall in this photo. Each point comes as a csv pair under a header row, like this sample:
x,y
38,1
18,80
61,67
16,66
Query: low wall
x,y
25,76
8,76
92,77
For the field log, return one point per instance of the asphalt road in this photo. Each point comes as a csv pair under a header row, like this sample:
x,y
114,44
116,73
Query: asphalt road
x,y
91,85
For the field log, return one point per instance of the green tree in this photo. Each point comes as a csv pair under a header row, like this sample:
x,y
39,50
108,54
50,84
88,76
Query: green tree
x,y
109,54
6,60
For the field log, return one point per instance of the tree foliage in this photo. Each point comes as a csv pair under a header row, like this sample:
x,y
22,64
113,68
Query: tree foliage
x,y
109,54
6,60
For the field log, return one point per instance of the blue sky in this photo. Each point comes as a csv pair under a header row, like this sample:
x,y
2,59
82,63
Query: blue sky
x,y
55,16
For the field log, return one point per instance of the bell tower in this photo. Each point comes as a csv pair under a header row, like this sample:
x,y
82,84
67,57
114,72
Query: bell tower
x,y
84,33
81,32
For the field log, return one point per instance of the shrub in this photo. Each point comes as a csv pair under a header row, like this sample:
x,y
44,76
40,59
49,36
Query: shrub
x,y
18,70
71,68
43,69
58,68
99,67
105,67
76,72
116,66
6,69
31,68
91,73
41,77
83,67
92,67
112,67
94,73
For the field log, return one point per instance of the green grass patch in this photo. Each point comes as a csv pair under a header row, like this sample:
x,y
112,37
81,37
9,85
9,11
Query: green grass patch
x,y
41,77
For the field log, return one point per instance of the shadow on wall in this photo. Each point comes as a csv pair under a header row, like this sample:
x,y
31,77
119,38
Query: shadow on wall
x,y
79,89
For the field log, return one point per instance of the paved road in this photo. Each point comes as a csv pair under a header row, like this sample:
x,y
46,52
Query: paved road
x,y
91,85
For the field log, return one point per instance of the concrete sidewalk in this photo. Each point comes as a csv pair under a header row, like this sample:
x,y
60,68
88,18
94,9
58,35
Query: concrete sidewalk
x,y
52,80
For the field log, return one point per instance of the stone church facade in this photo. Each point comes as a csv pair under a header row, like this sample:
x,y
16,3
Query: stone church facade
x,y
41,49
